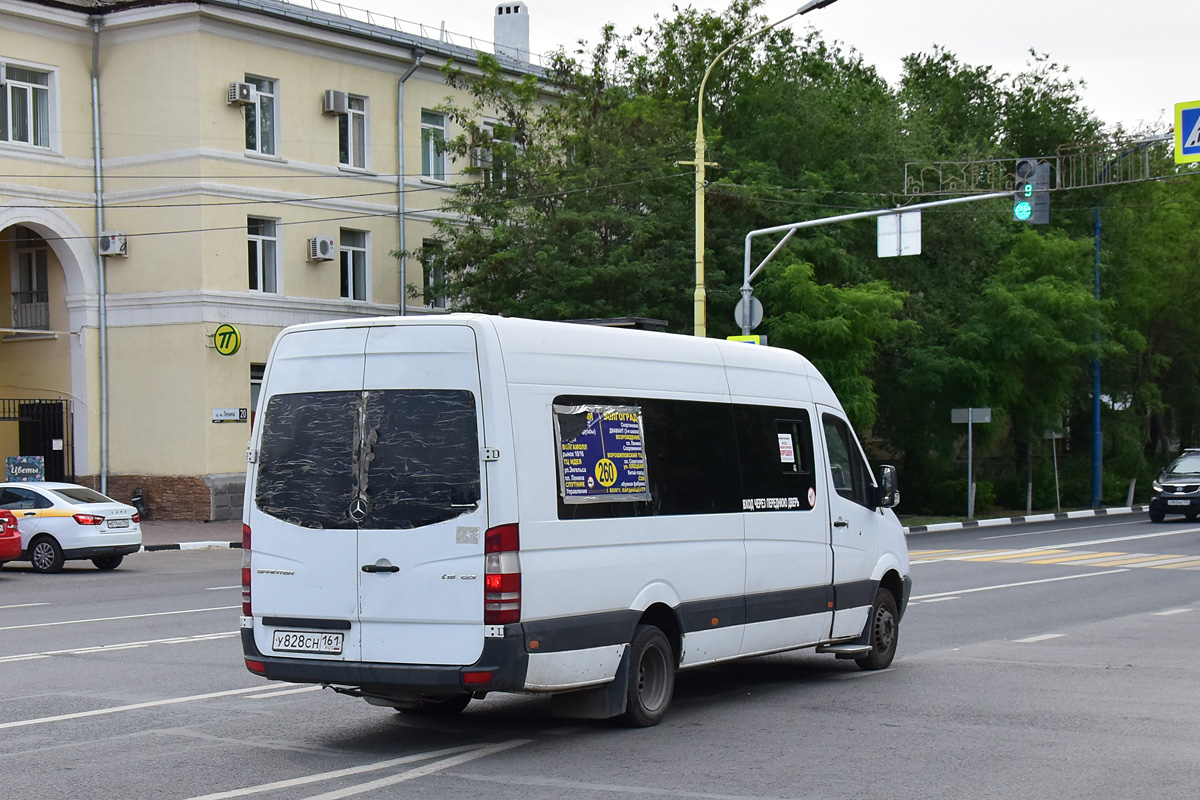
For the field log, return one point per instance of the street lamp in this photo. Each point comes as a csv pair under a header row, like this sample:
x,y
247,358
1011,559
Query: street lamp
x,y
700,297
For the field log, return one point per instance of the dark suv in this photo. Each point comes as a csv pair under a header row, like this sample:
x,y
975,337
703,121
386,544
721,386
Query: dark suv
x,y
1177,490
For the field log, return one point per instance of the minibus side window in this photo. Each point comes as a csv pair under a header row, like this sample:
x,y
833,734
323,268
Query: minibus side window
x,y
776,458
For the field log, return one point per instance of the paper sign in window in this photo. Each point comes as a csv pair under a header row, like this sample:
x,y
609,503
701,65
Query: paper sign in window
x,y
601,454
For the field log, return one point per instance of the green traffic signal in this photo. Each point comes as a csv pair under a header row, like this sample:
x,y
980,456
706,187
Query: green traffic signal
x,y
1022,210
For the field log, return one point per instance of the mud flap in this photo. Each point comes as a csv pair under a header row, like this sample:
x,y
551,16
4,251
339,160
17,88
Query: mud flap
x,y
602,702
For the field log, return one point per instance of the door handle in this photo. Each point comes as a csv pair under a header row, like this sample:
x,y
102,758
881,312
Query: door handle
x,y
29,514
379,568
841,523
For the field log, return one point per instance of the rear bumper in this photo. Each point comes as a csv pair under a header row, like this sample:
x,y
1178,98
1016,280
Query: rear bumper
x,y
504,658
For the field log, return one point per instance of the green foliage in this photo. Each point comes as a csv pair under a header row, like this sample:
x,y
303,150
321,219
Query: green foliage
x,y
585,211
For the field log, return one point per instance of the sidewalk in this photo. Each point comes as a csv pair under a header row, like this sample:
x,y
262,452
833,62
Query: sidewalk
x,y
172,535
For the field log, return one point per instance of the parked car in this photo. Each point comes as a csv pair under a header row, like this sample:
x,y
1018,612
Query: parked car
x,y
65,521
10,537
1177,490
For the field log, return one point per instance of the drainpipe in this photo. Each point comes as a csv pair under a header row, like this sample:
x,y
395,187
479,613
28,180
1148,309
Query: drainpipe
x,y
100,266
418,54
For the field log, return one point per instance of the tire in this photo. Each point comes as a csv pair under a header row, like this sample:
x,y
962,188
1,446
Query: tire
x,y
446,706
883,632
45,555
108,562
651,677
1190,516
1157,516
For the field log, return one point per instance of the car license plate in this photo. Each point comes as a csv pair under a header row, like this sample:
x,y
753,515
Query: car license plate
x,y
1179,502
118,523
301,642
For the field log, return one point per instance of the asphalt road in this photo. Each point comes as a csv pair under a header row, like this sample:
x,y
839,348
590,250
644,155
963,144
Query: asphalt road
x,y
1054,660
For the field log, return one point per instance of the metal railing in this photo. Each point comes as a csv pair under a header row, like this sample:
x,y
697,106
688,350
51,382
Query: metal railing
x,y
31,311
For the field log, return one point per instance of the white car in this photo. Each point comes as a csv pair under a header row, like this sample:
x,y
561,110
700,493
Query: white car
x,y
61,521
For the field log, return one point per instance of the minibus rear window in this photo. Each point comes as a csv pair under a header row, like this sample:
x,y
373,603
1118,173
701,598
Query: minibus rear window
x,y
411,455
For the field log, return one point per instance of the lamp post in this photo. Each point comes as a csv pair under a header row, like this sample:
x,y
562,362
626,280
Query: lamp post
x,y
701,324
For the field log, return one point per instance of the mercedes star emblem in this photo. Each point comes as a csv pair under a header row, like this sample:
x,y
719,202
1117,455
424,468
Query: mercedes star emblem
x,y
358,509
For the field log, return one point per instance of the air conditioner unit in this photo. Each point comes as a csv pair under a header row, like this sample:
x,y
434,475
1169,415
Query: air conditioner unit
x,y
112,243
242,94
336,102
322,248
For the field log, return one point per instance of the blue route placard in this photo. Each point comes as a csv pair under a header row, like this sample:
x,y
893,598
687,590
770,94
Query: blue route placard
x,y
1187,132
601,454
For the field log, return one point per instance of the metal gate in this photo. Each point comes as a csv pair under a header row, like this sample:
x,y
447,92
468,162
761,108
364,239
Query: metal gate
x,y
45,430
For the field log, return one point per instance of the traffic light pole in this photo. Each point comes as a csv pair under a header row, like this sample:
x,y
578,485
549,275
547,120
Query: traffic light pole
x,y
747,275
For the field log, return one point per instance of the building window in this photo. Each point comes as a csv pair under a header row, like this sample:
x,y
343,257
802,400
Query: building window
x,y
25,110
260,118
435,273
352,134
433,144
262,251
353,257
256,379
30,290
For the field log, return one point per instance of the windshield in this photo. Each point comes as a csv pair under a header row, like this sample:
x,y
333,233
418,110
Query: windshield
x,y
412,455
82,495
1185,465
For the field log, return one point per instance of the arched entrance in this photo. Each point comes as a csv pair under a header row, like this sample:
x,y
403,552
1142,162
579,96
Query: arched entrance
x,y
47,315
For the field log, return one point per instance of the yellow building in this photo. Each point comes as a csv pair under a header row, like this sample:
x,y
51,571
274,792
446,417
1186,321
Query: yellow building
x,y
261,164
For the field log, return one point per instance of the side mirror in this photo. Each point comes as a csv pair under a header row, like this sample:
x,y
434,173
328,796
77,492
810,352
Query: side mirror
x,y
889,490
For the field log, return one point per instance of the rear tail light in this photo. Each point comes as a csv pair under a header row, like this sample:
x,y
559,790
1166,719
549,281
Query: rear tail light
x,y
136,517
502,576
246,609
89,519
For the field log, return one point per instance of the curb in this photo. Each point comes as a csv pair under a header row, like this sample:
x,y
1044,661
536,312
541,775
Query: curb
x,y
149,548
940,526
989,523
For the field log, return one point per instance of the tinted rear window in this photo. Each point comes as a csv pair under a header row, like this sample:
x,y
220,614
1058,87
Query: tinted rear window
x,y
412,455
82,495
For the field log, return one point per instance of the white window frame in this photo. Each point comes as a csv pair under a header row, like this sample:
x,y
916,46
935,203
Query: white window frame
x,y
267,98
348,287
433,163
34,313
355,118
256,257
53,111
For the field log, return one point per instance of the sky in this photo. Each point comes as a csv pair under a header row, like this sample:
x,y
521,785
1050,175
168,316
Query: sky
x,y
1136,58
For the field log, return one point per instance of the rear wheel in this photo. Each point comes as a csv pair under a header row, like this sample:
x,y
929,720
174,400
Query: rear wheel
x,y
651,677
884,627
46,555
108,562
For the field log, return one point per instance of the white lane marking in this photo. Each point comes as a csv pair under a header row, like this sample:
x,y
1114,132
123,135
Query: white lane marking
x,y
938,599
1044,637
927,597
204,637
220,588
24,605
1171,612
337,773
421,772
282,692
111,619
1061,530
132,707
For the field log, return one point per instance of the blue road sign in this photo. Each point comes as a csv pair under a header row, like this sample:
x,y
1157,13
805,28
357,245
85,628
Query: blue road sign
x,y
1187,132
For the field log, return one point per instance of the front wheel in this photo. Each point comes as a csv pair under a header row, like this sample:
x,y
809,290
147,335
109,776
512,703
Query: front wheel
x,y
651,677
1157,516
108,562
884,628
46,555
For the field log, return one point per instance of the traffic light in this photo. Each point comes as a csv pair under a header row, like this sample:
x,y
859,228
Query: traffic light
x,y
1031,195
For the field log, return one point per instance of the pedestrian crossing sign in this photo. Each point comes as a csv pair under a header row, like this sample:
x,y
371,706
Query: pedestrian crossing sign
x,y
1187,132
